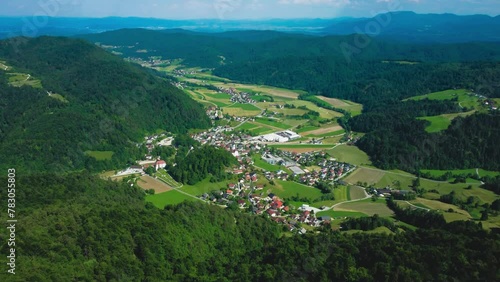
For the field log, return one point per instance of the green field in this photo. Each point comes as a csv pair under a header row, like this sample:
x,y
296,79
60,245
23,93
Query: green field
x,y
21,79
341,194
340,214
356,192
350,154
367,207
306,128
245,107
328,134
273,123
300,146
442,122
347,105
206,186
482,172
172,197
247,126
260,130
100,155
165,177
286,189
465,100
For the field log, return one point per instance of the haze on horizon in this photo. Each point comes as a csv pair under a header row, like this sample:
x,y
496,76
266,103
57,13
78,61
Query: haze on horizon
x,y
241,9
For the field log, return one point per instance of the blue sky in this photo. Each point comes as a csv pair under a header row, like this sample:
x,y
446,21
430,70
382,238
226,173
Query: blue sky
x,y
241,9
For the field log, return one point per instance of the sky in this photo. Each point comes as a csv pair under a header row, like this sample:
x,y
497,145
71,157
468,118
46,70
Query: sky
x,y
241,9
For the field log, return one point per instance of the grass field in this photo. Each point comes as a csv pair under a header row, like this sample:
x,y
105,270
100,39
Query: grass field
x,y
462,95
3,66
378,230
286,189
356,192
172,197
147,182
482,172
205,186
306,128
324,113
327,134
242,110
273,122
367,207
350,154
260,130
21,79
100,155
341,214
370,176
350,106
165,177
442,122
247,126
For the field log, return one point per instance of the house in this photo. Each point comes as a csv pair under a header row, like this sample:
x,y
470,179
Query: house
x,y
325,218
231,185
229,192
160,164
271,213
259,187
253,177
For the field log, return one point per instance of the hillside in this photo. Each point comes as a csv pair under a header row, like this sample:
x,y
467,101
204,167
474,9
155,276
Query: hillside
x,y
76,227
86,100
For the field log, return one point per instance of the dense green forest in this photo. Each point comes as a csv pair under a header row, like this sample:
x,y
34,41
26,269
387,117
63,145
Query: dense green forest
x,y
196,164
78,227
106,105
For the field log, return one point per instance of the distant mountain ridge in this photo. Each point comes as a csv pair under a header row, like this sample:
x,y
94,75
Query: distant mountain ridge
x,y
409,26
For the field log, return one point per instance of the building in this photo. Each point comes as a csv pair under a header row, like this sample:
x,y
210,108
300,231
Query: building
x,y
160,164
270,159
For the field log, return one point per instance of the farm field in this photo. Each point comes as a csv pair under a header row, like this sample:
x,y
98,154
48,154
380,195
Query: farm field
x,y
147,182
350,106
350,154
286,189
442,122
367,207
3,66
370,176
241,110
325,131
100,155
263,89
378,230
172,197
340,214
356,192
273,122
341,194
323,113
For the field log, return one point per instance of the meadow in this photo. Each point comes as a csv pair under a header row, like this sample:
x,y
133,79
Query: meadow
x,y
172,197
350,154
442,122
464,99
287,189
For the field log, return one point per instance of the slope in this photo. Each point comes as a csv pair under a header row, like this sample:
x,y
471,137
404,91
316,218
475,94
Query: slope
x,y
89,100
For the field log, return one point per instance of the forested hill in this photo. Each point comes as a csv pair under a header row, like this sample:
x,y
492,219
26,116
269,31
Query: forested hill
x,y
77,227
62,97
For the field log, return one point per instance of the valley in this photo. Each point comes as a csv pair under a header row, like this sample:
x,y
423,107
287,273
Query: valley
x,y
249,111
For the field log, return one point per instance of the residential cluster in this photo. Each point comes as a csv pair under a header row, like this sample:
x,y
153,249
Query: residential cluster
x,y
247,195
237,96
